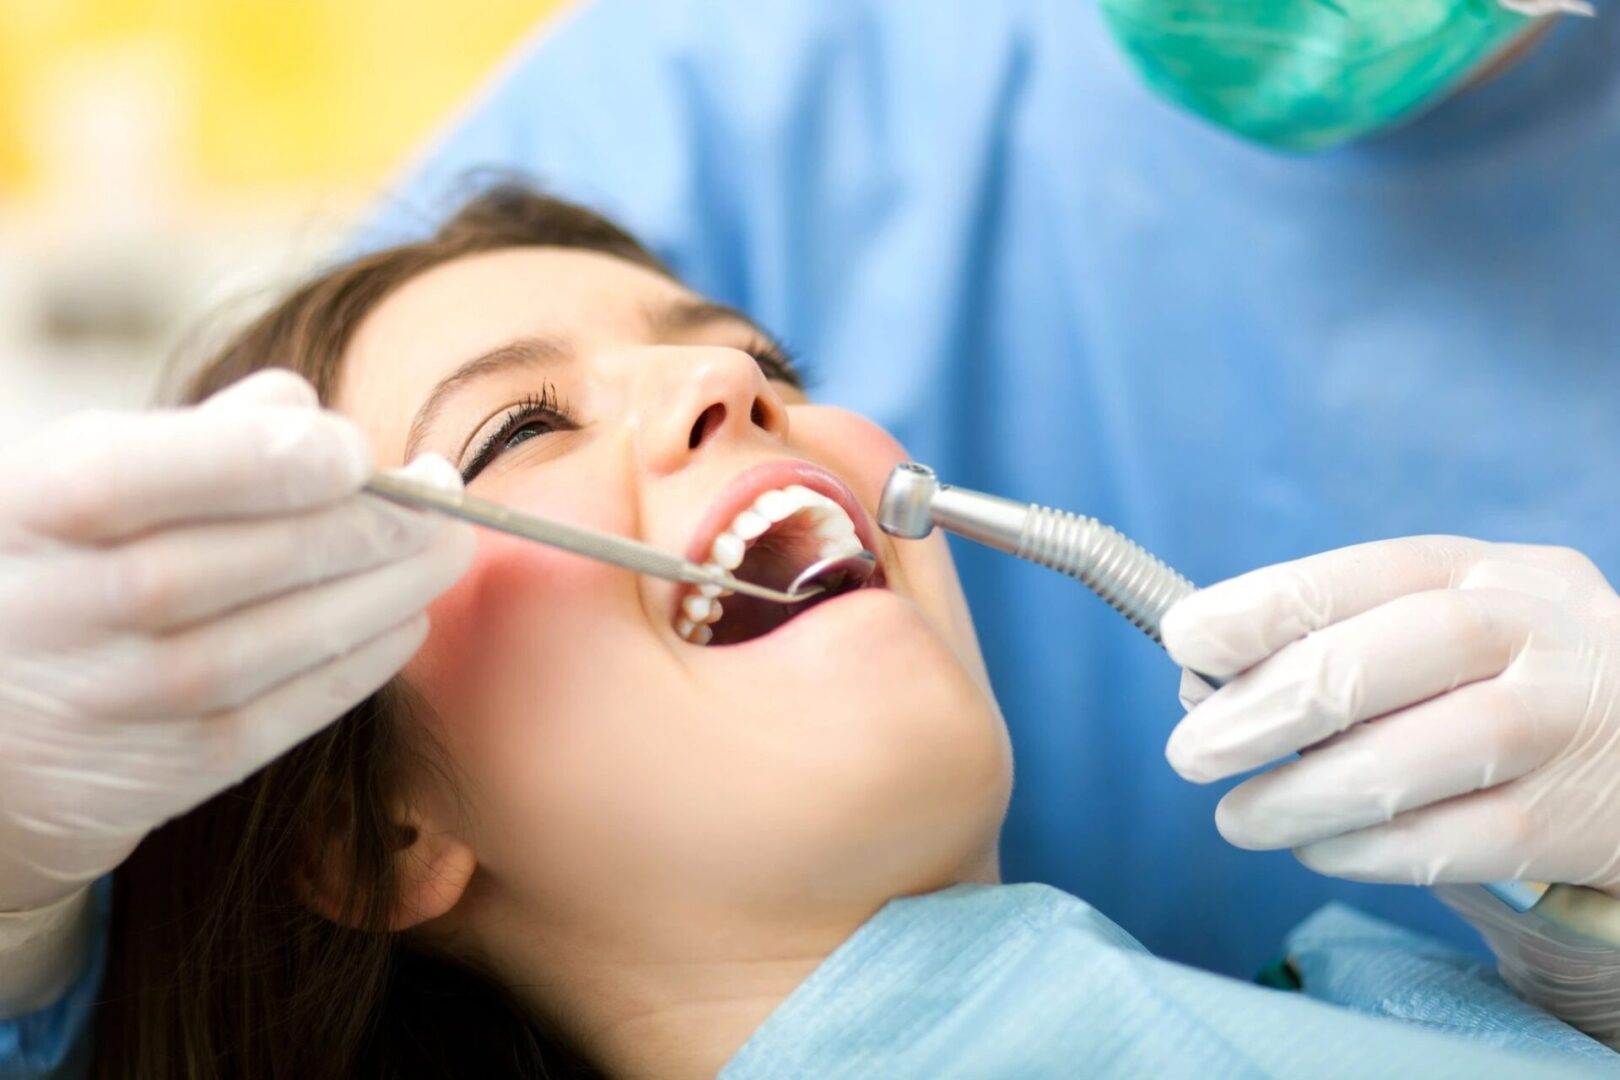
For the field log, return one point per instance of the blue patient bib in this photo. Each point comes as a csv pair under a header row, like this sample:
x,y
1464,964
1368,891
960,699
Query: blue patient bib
x,y
1026,981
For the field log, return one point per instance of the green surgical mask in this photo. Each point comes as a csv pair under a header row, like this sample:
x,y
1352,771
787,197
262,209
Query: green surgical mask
x,y
1310,74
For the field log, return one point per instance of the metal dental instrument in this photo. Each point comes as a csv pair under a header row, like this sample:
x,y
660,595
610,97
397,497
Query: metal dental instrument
x,y
1107,562
603,547
1142,588
859,565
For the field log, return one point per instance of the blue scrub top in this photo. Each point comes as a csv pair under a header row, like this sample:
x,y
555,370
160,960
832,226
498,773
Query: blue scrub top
x,y
979,228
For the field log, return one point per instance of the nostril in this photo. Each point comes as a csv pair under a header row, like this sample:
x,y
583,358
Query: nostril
x,y
757,415
708,422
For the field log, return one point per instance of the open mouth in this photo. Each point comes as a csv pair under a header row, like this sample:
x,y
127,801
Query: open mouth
x,y
777,534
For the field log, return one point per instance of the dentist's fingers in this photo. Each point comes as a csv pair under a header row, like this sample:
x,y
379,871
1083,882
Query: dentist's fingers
x,y
1501,834
177,577
227,662
1479,736
1230,627
242,740
97,477
1405,651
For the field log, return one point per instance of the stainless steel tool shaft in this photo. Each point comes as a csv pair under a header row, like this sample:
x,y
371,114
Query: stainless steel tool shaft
x,y
1109,563
603,547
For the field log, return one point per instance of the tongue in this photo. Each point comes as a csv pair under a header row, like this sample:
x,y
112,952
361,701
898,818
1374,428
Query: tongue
x,y
747,618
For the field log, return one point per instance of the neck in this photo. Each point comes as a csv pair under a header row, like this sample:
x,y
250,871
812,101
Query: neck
x,y
676,999
678,995
688,1020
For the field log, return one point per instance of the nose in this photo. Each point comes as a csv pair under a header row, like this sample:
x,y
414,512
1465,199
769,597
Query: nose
x,y
694,396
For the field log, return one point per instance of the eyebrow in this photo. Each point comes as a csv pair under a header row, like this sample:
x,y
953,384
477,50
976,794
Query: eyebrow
x,y
683,316
664,320
522,352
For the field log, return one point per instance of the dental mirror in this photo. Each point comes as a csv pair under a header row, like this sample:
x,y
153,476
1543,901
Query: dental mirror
x,y
859,566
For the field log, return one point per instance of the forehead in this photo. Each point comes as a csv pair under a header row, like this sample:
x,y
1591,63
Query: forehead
x,y
477,302
431,324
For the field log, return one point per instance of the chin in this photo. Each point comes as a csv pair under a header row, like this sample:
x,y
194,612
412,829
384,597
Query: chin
x,y
921,730
896,761
926,771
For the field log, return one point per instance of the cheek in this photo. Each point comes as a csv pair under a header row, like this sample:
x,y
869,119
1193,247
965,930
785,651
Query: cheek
x,y
468,621
518,602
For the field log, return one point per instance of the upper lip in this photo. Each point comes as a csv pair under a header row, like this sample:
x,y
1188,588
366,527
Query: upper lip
x,y
748,485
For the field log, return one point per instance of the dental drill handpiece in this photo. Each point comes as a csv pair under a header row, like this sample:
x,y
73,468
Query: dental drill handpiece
x,y
1110,564
1142,588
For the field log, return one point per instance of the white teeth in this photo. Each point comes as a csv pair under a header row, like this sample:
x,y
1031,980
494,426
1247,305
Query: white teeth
x,y
835,527
699,632
841,548
776,505
804,494
701,609
749,524
714,592
830,523
728,550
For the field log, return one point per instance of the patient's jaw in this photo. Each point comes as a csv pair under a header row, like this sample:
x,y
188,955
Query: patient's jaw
x,y
641,808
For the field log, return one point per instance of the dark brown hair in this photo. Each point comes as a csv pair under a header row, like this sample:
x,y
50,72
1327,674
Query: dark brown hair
x,y
216,967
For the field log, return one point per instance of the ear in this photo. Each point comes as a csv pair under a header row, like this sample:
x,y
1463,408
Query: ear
x,y
432,869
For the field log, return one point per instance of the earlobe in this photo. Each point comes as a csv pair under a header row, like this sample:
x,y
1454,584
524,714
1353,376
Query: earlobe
x,y
432,869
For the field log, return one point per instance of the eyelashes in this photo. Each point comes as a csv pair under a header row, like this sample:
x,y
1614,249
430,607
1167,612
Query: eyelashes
x,y
541,414
778,362
530,418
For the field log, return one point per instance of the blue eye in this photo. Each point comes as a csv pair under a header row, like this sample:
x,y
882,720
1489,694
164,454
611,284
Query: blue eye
x,y
528,419
527,430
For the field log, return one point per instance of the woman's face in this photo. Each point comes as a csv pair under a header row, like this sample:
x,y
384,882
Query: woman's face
x,y
608,764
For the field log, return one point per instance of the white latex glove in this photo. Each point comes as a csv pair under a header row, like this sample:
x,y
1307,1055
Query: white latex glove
x,y
1456,709
1456,706
185,595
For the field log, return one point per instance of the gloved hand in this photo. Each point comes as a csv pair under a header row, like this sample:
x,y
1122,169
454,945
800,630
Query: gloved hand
x,y
1455,704
183,596
1456,709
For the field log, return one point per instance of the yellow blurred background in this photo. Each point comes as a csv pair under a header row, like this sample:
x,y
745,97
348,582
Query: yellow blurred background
x,y
159,156
247,94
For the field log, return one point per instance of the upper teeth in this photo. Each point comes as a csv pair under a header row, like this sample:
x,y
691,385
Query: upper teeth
x,y
830,521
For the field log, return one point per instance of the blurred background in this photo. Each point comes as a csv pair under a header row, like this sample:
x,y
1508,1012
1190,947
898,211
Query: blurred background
x,y
166,160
